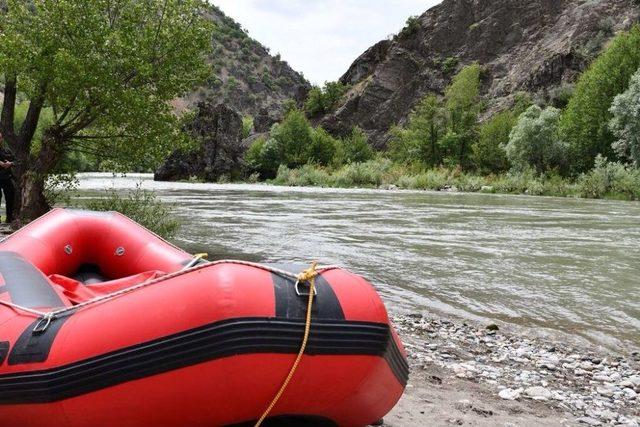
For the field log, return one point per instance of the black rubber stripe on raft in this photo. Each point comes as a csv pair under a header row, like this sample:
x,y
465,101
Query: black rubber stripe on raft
x,y
290,420
34,347
206,343
289,305
4,350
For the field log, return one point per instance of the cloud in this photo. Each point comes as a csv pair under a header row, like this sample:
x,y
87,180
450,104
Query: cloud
x,y
321,38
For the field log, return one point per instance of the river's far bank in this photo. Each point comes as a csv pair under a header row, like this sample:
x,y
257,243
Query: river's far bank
x,y
611,181
465,373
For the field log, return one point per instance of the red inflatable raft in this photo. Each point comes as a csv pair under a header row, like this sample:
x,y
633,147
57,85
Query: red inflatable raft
x,y
139,333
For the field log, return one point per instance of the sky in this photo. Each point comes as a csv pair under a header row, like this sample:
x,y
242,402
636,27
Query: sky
x,y
321,38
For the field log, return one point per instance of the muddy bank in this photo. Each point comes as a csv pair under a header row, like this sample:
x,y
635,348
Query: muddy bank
x,y
470,374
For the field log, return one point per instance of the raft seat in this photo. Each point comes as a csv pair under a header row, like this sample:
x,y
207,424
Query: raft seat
x,y
77,291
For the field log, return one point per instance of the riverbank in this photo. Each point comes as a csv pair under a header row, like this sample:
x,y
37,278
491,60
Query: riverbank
x,y
605,181
463,373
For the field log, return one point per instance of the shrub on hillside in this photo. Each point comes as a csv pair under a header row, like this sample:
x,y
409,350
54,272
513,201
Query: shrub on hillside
x,y
326,99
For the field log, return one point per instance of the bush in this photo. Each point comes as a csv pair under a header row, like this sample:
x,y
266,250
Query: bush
x,y
322,148
354,149
534,141
142,207
449,65
293,137
585,123
488,153
324,100
247,126
307,175
610,179
368,174
625,123
412,26
263,157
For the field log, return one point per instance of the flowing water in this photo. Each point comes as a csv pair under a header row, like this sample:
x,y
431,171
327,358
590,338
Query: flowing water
x,y
557,264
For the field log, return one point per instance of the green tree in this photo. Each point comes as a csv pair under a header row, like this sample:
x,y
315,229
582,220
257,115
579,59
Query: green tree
x,y
625,123
534,141
488,152
462,103
322,148
106,71
247,126
584,125
356,148
418,141
293,136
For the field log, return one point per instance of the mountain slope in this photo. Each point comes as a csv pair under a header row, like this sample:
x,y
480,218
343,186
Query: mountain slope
x,y
534,46
246,77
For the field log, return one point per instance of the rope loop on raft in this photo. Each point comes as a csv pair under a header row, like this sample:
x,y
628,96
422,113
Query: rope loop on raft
x,y
309,276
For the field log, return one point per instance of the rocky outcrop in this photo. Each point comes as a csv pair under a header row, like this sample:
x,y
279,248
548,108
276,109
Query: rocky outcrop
x,y
245,76
531,46
218,129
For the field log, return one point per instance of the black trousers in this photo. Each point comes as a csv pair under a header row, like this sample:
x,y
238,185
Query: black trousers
x,y
6,185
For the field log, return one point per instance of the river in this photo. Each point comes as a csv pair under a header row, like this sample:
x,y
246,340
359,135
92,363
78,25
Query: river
x,y
552,264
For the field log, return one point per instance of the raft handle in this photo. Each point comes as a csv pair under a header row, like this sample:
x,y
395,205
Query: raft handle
x,y
44,323
305,294
196,259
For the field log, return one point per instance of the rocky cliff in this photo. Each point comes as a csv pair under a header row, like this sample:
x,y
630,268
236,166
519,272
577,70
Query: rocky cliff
x,y
535,46
218,132
246,76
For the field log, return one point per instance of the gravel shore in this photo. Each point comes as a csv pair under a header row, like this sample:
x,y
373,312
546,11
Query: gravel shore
x,y
472,374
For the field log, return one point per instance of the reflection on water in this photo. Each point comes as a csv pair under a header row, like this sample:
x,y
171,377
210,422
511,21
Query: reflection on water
x,y
564,264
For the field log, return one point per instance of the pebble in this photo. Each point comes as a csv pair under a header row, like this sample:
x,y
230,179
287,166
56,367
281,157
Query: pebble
x,y
510,394
537,393
589,421
606,391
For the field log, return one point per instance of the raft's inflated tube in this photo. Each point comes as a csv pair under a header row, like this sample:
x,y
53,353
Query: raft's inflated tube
x,y
208,346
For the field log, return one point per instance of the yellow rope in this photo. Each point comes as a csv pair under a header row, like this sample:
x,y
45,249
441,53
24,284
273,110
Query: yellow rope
x,y
308,275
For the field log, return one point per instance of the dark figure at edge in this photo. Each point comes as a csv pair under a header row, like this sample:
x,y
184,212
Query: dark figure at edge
x,y
6,179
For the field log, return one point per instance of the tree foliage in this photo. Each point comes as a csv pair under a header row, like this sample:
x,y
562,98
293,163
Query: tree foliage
x,y
534,141
488,152
354,149
324,100
105,70
625,123
442,131
585,123
419,140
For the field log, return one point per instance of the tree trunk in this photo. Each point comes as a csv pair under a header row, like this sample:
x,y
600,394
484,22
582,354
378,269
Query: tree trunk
x,y
33,203
31,174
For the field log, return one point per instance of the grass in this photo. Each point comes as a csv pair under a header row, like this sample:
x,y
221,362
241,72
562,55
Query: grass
x,y
606,181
